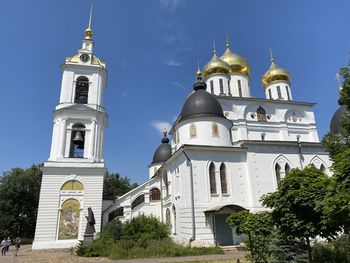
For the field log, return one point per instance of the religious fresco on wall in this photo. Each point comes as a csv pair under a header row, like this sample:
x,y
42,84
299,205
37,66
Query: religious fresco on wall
x,y
69,220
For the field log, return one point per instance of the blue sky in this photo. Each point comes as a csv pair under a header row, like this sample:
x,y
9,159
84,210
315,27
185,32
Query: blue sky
x,y
150,47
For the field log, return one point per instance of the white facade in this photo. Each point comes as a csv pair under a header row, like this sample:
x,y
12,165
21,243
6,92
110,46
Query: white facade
x,y
222,164
73,176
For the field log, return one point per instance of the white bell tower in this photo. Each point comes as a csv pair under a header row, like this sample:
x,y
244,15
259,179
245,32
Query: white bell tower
x,y
73,176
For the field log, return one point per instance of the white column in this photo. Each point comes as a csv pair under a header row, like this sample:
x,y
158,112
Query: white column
x,y
62,143
101,143
92,139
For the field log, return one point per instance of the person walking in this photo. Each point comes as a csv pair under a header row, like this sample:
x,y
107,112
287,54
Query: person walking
x,y
3,245
17,245
8,243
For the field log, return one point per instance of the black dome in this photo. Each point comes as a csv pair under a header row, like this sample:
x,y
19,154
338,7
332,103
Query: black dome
x,y
163,151
336,119
200,103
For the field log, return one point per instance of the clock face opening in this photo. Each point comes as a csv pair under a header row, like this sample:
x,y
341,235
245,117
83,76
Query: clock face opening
x,y
84,58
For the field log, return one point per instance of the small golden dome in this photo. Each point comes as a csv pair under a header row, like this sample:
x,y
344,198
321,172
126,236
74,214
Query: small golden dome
x,y
198,74
88,33
275,74
237,63
215,65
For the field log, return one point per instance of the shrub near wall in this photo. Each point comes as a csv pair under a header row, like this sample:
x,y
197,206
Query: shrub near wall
x,y
141,237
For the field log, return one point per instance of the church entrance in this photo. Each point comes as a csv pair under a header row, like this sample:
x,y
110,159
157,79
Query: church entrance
x,y
224,235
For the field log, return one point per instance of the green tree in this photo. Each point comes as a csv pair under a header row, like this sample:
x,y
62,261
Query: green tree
x,y
258,228
19,198
299,207
116,185
338,145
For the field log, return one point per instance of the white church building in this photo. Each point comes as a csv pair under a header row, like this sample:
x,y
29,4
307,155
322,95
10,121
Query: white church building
x,y
228,148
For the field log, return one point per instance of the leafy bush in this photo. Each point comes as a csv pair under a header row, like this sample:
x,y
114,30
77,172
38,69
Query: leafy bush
x,y
141,237
143,228
337,251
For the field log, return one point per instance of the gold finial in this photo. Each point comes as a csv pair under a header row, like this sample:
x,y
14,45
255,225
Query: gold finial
x,y
271,57
227,41
88,31
198,73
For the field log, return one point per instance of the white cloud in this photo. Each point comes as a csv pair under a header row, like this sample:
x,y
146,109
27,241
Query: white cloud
x,y
177,84
172,63
160,125
171,5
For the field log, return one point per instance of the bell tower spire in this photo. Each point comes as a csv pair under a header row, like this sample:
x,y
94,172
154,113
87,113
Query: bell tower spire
x,y
88,30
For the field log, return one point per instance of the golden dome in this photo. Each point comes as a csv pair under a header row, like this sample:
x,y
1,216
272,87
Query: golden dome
x,y
274,74
95,60
237,63
215,65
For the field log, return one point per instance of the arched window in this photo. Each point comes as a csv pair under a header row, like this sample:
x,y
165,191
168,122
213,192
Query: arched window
x,y
167,216
155,194
323,168
72,185
261,114
193,130
215,130
116,213
81,90
174,223
69,220
287,168
212,178
278,173
77,143
138,201
223,179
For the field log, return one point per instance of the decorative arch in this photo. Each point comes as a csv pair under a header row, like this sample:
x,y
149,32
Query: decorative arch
x,y
251,112
154,194
69,220
296,116
138,201
223,179
72,185
317,162
212,179
81,90
281,166
261,114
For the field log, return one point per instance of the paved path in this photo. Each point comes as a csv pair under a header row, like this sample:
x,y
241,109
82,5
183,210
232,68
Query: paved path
x,y
27,255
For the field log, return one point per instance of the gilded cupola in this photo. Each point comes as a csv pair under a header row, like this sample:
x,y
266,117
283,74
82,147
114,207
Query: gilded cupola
x,y
236,63
275,74
215,65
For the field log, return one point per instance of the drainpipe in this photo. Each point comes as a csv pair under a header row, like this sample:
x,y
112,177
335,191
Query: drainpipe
x,y
161,196
300,152
193,237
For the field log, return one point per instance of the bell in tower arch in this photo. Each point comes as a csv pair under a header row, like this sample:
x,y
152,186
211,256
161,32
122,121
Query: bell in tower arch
x,y
79,140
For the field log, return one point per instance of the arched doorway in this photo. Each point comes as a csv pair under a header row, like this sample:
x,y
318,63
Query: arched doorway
x,y
223,234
